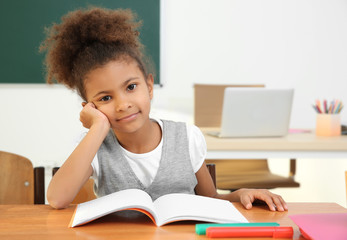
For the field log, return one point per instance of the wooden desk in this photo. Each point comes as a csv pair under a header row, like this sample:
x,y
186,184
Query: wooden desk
x,y
42,222
294,145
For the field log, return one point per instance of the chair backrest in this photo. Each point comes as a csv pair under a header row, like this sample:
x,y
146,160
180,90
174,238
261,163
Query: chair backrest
x,y
208,100
239,166
20,182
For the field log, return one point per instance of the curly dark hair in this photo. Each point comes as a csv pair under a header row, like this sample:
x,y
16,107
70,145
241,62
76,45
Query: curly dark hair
x,y
87,39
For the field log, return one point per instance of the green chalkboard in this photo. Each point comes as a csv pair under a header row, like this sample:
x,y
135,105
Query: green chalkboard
x,y
22,24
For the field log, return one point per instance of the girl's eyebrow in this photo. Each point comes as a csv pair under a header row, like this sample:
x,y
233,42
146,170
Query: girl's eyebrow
x,y
101,93
126,82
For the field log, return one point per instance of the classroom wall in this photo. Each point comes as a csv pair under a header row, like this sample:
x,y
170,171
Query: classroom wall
x,y
299,44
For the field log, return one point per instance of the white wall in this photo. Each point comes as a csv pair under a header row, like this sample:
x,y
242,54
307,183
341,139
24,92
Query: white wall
x,y
294,43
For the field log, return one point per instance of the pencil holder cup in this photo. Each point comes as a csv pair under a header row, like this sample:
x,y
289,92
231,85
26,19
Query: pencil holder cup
x,y
328,125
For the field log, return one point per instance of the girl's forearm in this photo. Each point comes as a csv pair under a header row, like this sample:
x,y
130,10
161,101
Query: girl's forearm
x,y
76,170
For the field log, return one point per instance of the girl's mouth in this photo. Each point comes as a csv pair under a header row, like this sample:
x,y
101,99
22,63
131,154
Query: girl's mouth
x,y
128,118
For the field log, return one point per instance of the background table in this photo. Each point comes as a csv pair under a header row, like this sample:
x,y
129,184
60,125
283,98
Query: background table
x,y
293,145
42,222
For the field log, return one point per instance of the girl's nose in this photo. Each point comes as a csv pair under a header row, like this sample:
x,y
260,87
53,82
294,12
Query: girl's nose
x,y
122,104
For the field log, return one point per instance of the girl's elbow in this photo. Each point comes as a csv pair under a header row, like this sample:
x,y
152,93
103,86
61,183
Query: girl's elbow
x,y
57,202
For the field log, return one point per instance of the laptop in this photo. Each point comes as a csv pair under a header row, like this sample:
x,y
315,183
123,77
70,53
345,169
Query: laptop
x,y
255,112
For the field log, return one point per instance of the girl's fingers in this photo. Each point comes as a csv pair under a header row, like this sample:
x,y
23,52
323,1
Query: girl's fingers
x,y
92,104
274,201
89,103
280,203
268,200
246,202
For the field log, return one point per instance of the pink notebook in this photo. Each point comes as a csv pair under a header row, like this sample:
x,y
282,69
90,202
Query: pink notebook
x,y
322,226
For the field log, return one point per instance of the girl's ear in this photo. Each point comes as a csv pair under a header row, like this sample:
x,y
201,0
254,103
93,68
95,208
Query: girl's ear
x,y
150,83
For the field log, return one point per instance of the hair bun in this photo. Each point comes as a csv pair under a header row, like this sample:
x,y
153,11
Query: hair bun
x,y
104,26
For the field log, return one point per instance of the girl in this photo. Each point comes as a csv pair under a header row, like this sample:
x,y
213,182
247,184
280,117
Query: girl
x,y
98,53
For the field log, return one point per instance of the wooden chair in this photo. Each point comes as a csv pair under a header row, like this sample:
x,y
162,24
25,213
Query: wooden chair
x,y
20,182
235,173
87,191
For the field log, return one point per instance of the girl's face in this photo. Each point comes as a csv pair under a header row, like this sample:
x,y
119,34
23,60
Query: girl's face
x,y
120,91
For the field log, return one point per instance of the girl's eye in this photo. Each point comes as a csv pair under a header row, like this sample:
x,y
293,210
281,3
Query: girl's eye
x,y
131,87
106,98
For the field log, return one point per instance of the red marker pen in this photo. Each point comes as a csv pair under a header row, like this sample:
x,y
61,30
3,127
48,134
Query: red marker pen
x,y
275,232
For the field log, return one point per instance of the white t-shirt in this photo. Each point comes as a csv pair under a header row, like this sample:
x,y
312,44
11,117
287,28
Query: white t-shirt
x,y
145,165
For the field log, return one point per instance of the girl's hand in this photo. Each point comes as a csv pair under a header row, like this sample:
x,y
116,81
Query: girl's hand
x,y
90,116
274,201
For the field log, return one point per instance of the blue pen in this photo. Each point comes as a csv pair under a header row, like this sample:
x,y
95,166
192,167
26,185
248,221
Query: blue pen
x,y
333,106
200,229
337,108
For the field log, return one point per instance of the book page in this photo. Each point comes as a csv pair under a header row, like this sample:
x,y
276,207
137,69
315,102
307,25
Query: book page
x,y
173,207
130,198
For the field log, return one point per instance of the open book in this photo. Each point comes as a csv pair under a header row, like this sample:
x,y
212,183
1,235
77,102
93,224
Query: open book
x,y
165,209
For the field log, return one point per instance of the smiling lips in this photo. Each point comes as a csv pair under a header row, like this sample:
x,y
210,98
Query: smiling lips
x,y
128,118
